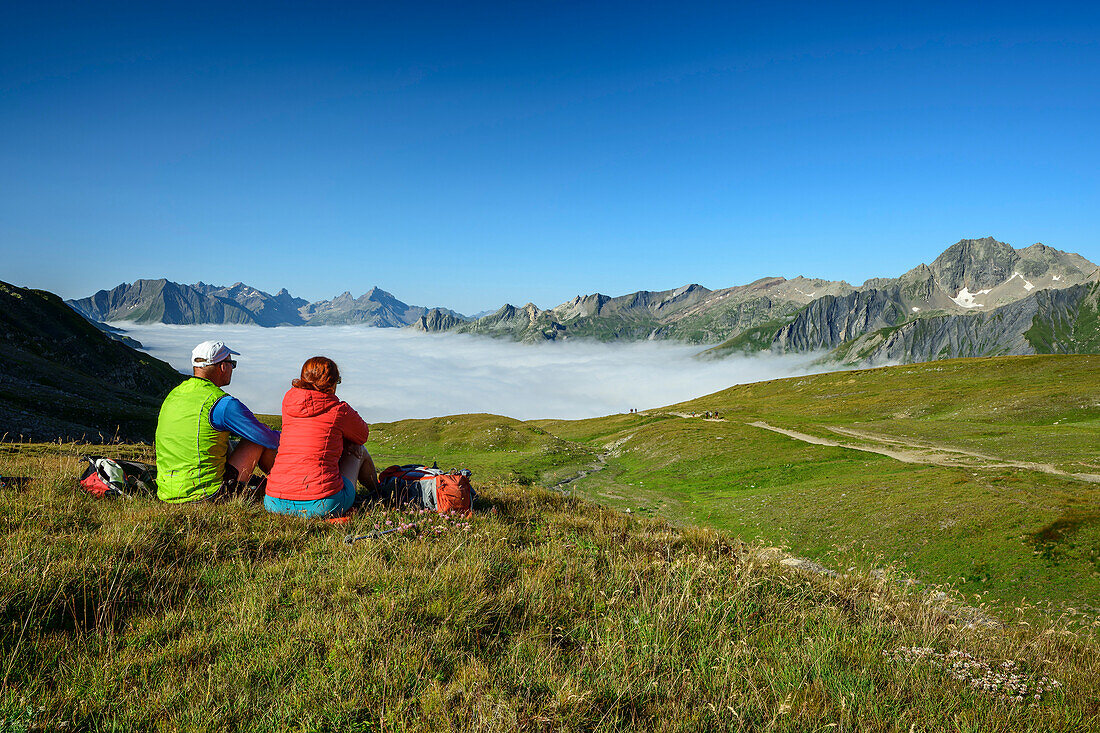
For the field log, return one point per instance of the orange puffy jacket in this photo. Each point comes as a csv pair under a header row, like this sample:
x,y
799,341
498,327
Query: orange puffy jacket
x,y
315,426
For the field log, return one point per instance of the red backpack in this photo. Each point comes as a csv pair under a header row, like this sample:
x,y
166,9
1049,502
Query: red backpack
x,y
110,477
431,488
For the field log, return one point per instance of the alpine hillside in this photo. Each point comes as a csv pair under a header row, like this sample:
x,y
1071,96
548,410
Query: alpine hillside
x,y
64,378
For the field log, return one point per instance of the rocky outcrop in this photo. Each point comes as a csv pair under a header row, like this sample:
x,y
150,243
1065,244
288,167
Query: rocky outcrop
x,y
732,316
281,309
690,313
437,320
631,316
933,309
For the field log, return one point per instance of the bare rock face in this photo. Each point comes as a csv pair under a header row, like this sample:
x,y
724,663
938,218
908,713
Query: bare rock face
x,y
281,309
661,302
975,264
528,323
830,321
804,314
1052,321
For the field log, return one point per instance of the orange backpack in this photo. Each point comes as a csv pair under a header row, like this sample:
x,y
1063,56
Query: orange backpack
x,y
431,488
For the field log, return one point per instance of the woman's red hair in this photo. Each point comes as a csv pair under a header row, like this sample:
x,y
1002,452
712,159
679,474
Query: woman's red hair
x,y
320,374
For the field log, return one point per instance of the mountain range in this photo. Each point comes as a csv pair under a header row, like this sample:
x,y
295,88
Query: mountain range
x,y
979,297
163,301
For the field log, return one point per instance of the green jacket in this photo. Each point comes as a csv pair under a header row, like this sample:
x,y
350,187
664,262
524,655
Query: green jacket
x,y
191,454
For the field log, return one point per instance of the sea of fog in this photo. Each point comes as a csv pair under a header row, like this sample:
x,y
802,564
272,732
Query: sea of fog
x,y
390,373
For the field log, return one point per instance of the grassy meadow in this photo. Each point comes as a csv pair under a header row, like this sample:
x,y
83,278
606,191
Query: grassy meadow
x,y
560,610
964,516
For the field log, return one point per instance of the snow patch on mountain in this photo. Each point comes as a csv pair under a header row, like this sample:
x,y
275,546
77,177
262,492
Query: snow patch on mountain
x,y
965,298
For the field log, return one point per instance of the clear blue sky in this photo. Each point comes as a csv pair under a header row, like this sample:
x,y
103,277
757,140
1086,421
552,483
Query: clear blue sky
x,y
467,155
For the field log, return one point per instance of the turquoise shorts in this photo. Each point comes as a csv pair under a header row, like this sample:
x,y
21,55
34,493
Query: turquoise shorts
x,y
331,506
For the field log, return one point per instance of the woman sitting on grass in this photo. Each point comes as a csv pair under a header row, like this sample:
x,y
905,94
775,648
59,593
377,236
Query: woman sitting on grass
x,y
321,454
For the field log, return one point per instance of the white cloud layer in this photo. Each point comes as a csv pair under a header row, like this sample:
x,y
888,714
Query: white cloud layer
x,y
391,374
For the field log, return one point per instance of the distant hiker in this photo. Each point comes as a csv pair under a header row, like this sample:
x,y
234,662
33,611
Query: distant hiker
x,y
321,454
194,456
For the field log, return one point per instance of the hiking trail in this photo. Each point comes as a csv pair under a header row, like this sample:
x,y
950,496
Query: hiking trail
x,y
599,465
908,451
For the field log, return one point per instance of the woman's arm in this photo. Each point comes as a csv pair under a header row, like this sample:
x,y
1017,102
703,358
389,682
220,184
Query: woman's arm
x,y
353,427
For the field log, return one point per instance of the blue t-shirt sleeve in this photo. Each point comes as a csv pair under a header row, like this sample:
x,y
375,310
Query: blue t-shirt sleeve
x,y
229,414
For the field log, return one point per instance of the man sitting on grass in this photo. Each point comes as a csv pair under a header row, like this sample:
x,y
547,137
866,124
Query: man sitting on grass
x,y
194,460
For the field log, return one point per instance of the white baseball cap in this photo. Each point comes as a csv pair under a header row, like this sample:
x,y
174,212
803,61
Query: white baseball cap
x,y
209,353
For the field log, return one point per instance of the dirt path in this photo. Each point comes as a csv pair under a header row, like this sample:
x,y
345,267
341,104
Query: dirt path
x,y
989,461
925,453
904,456
908,443
696,417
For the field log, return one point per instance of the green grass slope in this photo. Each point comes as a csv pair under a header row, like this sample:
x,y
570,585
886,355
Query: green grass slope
x,y
543,612
496,448
990,499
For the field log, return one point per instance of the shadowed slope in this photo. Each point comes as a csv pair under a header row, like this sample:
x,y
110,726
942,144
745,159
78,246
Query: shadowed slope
x,y
64,378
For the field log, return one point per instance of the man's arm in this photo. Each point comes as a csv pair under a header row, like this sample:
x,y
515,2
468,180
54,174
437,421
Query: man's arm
x,y
230,415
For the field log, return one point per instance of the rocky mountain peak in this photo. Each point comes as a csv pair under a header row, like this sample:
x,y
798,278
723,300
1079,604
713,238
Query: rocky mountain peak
x,y
687,289
1039,247
765,282
974,264
436,320
920,273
